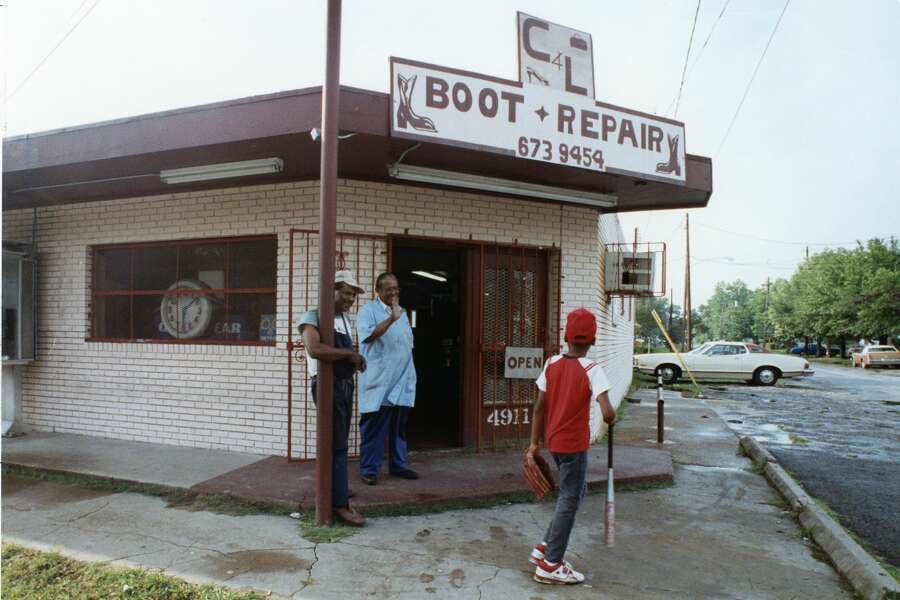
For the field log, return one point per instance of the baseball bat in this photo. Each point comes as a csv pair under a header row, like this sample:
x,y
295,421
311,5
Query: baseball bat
x,y
609,517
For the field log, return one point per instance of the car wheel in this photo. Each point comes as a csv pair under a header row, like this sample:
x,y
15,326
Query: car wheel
x,y
765,376
669,373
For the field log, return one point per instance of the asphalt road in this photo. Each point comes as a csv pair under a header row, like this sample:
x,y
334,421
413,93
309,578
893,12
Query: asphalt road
x,y
838,432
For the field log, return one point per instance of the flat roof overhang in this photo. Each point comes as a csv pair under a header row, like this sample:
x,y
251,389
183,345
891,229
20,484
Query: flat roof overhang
x,y
122,158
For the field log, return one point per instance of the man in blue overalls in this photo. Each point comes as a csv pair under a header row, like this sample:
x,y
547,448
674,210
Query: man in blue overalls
x,y
346,362
387,390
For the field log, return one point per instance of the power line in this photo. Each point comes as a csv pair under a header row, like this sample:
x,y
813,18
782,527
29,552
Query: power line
x,y
687,57
752,77
771,241
702,48
52,50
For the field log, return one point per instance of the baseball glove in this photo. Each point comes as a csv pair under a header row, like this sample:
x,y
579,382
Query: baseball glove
x,y
538,476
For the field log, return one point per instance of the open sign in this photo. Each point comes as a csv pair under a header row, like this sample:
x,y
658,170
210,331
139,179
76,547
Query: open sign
x,y
523,363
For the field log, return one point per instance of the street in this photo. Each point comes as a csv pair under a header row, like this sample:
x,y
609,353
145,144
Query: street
x,y
837,432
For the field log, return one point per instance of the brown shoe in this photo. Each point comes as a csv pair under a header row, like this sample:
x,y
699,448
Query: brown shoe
x,y
349,516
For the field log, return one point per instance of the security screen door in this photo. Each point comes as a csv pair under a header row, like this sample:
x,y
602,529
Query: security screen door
x,y
514,313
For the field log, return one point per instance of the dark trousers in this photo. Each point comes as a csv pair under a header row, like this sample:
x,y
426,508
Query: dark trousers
x,y
572,486
387,421
340,433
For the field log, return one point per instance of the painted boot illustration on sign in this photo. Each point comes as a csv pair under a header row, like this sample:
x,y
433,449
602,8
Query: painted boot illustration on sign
x,y
405,115
673,165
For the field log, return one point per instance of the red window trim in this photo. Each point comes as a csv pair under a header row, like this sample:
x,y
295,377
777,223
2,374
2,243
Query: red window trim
x,y
94,294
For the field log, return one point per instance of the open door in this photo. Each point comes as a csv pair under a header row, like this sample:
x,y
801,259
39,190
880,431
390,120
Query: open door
x,y
432,279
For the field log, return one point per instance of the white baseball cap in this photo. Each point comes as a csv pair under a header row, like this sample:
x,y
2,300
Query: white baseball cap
x,y
350,279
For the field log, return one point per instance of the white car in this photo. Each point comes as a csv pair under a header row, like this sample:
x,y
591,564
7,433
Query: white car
x,y
725,360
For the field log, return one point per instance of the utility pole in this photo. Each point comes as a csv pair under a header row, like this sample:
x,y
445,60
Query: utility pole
x,y
807,252
766,314
327,229
687,282
671,302
634,265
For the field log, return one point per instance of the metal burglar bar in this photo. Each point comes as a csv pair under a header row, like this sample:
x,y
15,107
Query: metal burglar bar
x,y
514,313
366,255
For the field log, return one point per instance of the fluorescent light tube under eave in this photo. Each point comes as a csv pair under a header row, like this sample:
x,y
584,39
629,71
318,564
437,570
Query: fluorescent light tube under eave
x,y
503,186
428,275
222,170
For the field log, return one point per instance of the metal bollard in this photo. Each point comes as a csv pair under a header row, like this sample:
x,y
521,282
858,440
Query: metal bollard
x,y
660,410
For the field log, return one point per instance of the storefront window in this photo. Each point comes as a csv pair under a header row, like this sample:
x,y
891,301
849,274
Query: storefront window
x,y
204,291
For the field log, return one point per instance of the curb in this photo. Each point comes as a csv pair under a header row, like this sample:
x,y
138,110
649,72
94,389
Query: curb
x,y
863,572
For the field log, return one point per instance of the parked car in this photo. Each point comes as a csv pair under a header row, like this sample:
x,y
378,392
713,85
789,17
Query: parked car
x,y
876,356
814,349
725,360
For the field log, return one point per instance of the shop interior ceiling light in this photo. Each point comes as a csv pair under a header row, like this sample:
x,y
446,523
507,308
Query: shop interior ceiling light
x,y
503,186
222,170
429,275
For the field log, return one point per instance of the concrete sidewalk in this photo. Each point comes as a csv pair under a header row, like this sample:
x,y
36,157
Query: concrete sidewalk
x,y
717,533
446,477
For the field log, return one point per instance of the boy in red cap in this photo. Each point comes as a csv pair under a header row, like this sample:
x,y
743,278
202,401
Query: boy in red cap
x,y
567,386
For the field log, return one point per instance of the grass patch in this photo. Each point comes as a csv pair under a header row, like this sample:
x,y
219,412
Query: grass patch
x,y
323,534
32,574
758,466
833,360
175,497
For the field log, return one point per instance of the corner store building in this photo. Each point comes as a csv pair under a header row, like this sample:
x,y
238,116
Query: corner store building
x,y
114,240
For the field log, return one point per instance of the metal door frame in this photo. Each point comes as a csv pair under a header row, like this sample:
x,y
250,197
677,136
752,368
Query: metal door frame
x,y
471,404
295,349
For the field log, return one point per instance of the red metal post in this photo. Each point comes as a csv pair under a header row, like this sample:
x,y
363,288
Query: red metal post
x,y
327,227
290,343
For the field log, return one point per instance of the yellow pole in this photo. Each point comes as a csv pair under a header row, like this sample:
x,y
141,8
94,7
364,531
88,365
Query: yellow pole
x,y
659,324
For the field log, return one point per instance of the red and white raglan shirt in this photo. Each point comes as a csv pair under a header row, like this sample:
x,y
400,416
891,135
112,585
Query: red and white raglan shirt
x,y
570,386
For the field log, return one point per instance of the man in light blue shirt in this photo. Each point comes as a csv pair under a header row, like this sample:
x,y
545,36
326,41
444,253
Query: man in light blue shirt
x,y
387,388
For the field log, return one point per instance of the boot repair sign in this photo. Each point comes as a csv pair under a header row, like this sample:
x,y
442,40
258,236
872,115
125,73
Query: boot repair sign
x,y
547,115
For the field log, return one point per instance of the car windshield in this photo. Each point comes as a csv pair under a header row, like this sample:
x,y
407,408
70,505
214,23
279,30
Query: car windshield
x,y
700,349
882,349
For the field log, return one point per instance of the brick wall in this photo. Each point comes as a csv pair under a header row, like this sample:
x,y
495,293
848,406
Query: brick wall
x,y
234,397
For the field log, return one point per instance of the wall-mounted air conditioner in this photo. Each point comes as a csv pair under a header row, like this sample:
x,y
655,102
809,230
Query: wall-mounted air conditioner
x,y
635,269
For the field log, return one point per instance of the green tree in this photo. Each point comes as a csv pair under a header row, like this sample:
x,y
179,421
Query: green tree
x,y
839,294
645,326
784,314
879,294
727,314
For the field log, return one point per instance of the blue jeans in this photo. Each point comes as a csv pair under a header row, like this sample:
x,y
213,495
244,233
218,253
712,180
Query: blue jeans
x,y
572,487
387,421
340,433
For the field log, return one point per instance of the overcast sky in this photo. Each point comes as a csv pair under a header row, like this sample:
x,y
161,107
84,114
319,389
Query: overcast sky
x,y
813,156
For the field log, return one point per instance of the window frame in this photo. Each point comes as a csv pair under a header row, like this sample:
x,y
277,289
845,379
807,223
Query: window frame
x,y
131,293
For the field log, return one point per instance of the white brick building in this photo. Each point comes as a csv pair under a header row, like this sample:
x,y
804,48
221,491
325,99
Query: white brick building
x,y
227,387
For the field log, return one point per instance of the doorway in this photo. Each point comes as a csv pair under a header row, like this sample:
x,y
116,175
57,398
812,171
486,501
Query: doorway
x,y
432,278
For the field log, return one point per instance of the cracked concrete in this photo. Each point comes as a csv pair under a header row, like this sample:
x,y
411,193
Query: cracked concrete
x,y
717,533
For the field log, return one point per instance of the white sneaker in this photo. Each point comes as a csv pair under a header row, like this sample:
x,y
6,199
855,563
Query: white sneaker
x,y
558,574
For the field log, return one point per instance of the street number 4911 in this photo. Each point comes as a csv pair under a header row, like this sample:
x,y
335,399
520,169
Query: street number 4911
x,y
508,416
